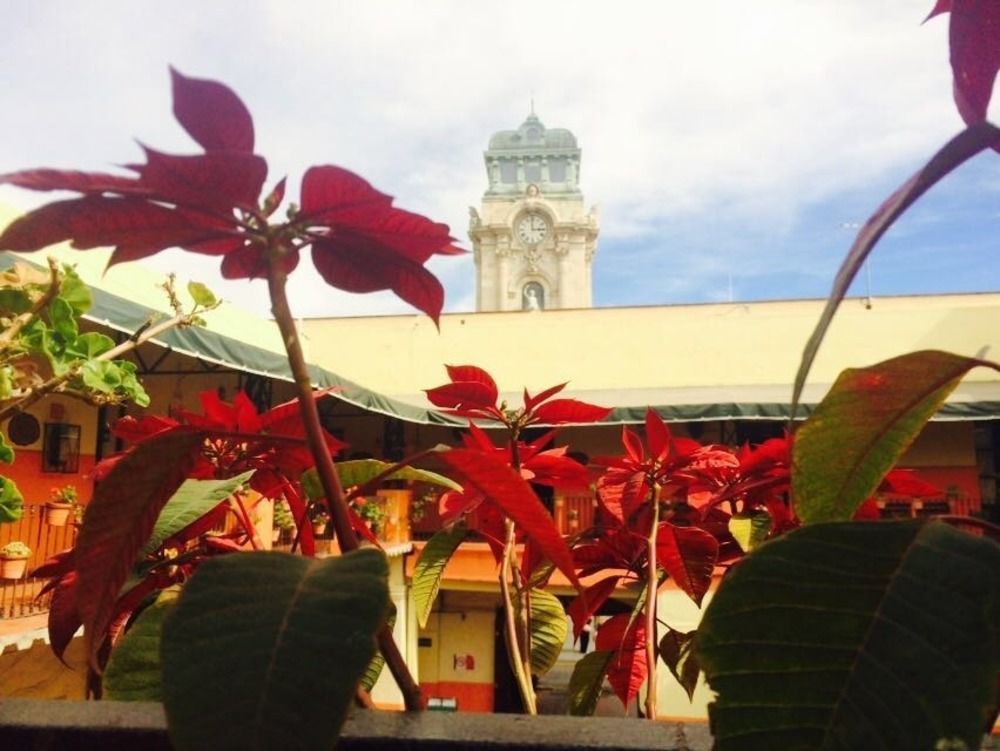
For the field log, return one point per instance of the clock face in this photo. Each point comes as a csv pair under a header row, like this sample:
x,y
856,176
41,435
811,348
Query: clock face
x,y
532,229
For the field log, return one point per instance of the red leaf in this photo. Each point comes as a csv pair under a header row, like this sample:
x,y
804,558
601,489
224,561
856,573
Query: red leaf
x,y
589,602
962,147
974,38
688,555
657,436
219,179
134,429
490,476
137,228
558,471
120,518
57,566
462,395
622,492
470,373
906,482
627,668
212,114
560,411
64,618
530,402
332,193
250,262
247,420
81,182
353,263
633,445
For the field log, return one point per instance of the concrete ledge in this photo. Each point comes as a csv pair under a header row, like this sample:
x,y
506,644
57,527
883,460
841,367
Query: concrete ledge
x,y
110,726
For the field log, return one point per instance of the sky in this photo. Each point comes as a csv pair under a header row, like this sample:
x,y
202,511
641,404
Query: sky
x,y
732,149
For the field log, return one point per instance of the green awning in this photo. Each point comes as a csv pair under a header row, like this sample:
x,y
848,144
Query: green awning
x,y
128,316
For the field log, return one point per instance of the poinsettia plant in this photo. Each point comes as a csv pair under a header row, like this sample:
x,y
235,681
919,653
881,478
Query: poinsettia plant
x,y
498,503
876,635
214,202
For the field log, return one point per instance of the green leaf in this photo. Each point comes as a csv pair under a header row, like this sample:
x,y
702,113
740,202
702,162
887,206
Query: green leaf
x,y
120,518
586,682
750,530
264,650
360,471
677,654
374,669
549,629
193,499
101,375
11,501
134,671
855,635
74,292
429,568
63,318
89,345
202,295
862,427
14,301
6,450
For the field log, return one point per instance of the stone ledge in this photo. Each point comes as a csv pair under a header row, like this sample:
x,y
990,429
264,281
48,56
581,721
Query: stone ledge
x,y
110,726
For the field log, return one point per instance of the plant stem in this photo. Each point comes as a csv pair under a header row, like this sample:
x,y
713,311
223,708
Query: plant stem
x,y
652,584
50,294
511,623
244,517
328,477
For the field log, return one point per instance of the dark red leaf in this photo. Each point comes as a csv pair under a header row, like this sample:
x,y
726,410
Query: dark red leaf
x,y
964,146
627,668
495,480
64,617
330,194
974,39
558,471
351,262
218,180
560,411
57,566
589,602
688,555
212,114
247,420
250,262
81,182
120,518
135,227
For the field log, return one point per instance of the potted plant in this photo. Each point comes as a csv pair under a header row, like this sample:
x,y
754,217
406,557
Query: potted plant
x,y
319,519
282,521
61,503
14,559
370,509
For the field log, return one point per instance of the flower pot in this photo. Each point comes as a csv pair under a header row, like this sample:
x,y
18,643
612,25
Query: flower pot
x,y
57,514
13,568
319,528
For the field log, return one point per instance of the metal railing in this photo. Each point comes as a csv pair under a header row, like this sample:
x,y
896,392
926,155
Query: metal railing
x,y
19,597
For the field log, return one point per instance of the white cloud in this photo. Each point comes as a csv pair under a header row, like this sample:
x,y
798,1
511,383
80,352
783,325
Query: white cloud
x,y
724,115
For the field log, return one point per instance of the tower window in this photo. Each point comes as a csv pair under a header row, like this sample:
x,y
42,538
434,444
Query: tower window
x,y
532,171
557,170
508,172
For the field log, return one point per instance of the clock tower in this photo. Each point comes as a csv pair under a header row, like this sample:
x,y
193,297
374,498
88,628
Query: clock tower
x,y
532,240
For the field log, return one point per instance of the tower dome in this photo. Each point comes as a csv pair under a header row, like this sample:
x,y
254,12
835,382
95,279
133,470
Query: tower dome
x,y
548,158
